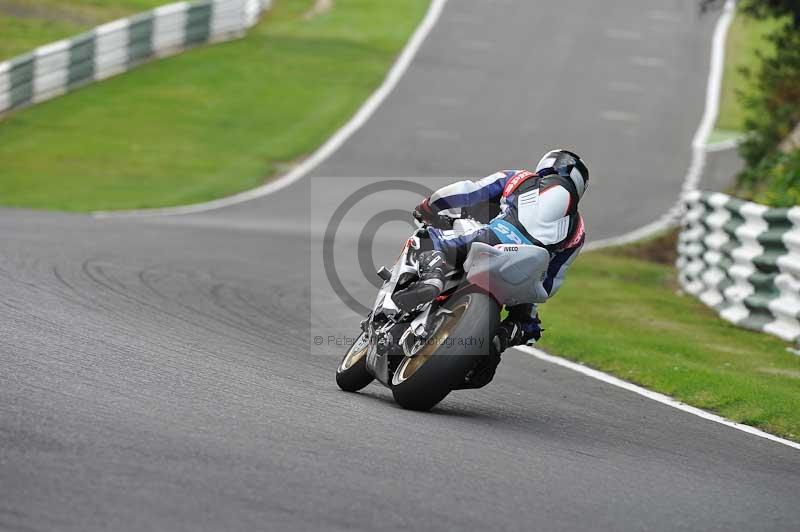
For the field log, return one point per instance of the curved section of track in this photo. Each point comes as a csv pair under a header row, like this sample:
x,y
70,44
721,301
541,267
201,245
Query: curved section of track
x,y
157,373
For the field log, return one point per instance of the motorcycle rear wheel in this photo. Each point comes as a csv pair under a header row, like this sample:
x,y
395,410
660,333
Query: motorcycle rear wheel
x,y
352,374
422,381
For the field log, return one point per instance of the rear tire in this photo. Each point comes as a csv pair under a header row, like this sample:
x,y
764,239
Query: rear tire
x,y
352,374
422,381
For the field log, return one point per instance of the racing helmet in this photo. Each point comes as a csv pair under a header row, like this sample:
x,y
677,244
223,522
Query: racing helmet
x,y
567,164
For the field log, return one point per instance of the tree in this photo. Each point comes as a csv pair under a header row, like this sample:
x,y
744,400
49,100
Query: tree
x,y
772,107
763,8
773,9
773,97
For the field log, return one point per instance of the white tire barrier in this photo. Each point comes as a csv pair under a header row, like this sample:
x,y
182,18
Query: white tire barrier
x,y
118,46
743,259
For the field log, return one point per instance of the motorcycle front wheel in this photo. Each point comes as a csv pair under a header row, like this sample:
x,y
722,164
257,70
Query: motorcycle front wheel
x,y
448,354
352,374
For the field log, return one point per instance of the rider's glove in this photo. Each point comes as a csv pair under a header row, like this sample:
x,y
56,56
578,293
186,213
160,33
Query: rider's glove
x,y
425,214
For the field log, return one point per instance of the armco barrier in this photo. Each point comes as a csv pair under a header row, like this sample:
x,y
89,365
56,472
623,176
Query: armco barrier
x,y
56,68
743,259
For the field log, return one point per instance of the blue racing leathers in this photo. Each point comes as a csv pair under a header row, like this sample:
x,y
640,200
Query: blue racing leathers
x,y
535,208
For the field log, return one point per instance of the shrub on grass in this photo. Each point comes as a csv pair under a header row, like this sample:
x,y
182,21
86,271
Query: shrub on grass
x,y
773,8
773,99
775,180
772,107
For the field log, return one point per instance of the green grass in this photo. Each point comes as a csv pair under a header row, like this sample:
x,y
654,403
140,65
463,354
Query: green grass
x,y
622,315
746,37
26,24
207,123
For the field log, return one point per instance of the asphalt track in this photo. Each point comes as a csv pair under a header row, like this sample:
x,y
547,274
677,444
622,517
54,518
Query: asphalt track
x,y
161,374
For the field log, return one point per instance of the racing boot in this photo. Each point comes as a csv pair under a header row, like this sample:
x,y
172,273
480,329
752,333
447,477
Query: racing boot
x,y
521,327
484,370
433,269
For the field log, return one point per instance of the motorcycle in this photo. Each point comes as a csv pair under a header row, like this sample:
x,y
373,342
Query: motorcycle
x,y
424,355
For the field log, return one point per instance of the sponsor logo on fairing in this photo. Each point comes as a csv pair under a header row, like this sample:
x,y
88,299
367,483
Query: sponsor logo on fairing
x,y
507,248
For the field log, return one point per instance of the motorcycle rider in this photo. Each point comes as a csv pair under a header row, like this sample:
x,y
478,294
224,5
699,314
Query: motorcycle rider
x,y
539,208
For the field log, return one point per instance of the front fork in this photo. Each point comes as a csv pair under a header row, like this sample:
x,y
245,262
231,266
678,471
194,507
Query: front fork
x,y
383,340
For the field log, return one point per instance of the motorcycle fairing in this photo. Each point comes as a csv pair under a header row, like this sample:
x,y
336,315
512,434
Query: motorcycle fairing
x,y
513,274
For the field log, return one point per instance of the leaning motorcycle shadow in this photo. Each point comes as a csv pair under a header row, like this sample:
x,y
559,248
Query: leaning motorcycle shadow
x,y
450,409
500,418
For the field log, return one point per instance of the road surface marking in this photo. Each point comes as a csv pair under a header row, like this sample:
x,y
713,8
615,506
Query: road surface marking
x,y
662,15
624,86
648,61
620,116
438,134
699,140
690,183
395,74
326,150
627,35
655,396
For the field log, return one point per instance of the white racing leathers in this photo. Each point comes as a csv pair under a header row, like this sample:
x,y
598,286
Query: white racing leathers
x,y
535,208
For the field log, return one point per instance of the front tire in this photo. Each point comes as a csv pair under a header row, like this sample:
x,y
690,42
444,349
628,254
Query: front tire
x,y
352,374
422,381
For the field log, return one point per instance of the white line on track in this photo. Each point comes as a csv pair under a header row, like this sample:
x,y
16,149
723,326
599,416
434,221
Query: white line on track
x,y
649,62
620,116
724,145
655,396
326,150
699,150
628,35
394,76
625,86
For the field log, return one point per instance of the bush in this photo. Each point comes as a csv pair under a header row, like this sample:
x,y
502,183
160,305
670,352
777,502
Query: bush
x,y
773,8
772,101
774,181
772,107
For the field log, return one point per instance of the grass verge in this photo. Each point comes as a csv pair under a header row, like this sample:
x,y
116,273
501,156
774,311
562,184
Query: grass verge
x,y
746,38
620,313
207,123
26,24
